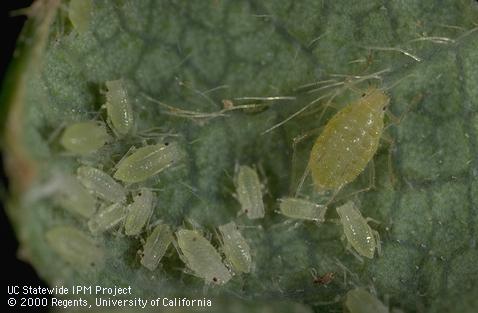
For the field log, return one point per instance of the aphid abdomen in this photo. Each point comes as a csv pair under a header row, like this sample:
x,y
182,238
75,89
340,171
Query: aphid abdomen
x,y
118,107
148,161
358,232
107,218
235,247
75,198
101,184
156,245
249,192
74,246
359,300
84,137
139,212
201,257
302,209
348,142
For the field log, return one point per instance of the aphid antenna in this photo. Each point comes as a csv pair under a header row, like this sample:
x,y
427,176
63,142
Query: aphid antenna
x,y
434,39
317,83
400,50
466,34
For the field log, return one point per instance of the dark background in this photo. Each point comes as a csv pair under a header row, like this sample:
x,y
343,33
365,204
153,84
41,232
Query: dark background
x,y
15,272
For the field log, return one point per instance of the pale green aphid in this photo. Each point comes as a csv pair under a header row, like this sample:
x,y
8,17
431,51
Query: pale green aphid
x,y
101,184
84,137
359,234
139,212
148,161
249,192
359,300
118,108
201,257
75,247
302,209
156,245
235,247
79,13
75,198
107,218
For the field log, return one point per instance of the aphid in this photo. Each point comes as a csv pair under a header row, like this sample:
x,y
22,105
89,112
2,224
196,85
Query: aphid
x,y
348,142
156,245
118,108
359,234
107,218
325,279
75,198
84,137
139,212
359,300
79,13
101,184
235,247
74,246
201,257
148,161
249,193
302,209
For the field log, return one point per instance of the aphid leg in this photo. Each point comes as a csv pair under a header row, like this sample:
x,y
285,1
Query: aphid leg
x,y
391,147
378,242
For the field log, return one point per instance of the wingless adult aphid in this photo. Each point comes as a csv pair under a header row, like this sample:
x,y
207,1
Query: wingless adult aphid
x,y
84,137
201,257
235,248
249,192
148,161
139,212
118,108
101,184
302,209
75,247
359,300
156,245
348,142
359,234
107,218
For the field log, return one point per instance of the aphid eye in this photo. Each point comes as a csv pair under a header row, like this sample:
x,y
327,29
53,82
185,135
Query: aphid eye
x,y
214,279
194,239
166,143
364,94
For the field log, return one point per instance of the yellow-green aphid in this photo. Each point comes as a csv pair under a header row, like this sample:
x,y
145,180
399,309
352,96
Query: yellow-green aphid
x,y
359,300
348,142
79,13
101,184
148,161
302,209
201,257
84,137
118,108
249,192
235,247
156,245
75,198
107,218
139,212
359,234
75,247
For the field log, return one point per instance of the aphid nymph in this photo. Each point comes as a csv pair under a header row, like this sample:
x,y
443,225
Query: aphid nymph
x,y
75,198
107,218
156,245
139,212
302,209
84,137
79,13
249,192
359,234
118,108
235,248
359,300
101,184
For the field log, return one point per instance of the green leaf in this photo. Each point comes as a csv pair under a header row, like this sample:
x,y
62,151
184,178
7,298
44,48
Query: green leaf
x,y
192,55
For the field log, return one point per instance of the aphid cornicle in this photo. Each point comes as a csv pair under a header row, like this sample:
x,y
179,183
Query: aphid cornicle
x,y
359,300
74,246
348,142
148,161
201,257
118,108
101,184
249,193
302,209
235,248
84,137
156,245
107,218
139,212
359,234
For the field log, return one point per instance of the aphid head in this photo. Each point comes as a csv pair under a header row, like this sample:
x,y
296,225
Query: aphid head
x,y
376,98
